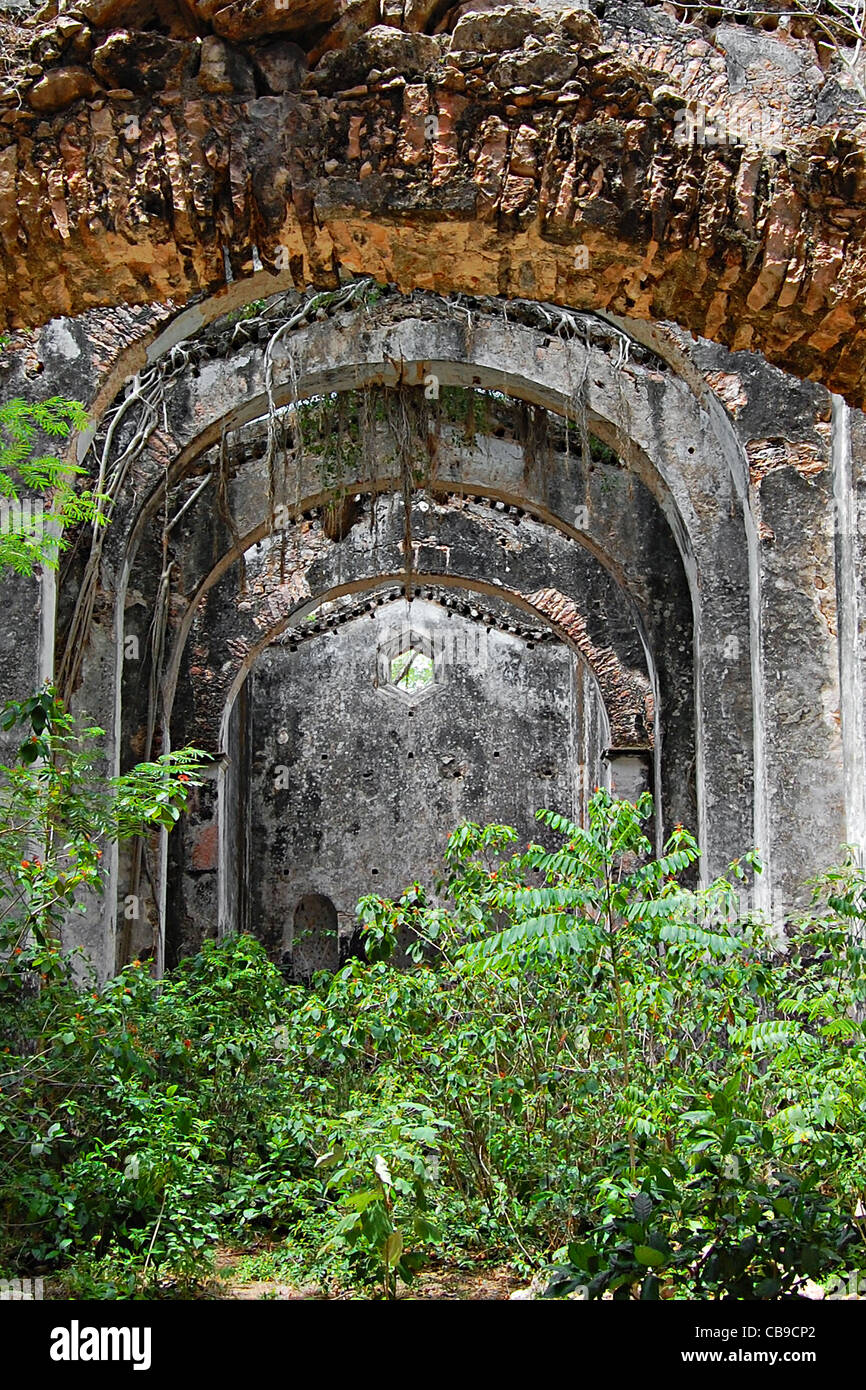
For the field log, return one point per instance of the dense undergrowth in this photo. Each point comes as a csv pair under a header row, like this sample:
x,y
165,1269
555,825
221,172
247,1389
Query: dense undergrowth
x,y
587,1069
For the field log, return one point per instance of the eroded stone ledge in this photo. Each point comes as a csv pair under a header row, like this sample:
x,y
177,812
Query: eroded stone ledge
x,y
545,165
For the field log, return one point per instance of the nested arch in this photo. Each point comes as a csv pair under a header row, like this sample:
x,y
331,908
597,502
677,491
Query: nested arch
x,y
671,440
281,773
670,433
680,446
549,577
205,710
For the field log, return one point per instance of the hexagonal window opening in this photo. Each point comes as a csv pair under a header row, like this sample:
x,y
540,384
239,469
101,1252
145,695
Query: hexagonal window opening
x,y
407,666
411,671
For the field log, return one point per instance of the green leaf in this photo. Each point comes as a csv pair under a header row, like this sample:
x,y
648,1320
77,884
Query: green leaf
x,y
646,1255
393,1249
642,1205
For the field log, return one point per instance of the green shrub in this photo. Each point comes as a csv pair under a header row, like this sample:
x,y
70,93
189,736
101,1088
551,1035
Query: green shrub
x,y
588,1068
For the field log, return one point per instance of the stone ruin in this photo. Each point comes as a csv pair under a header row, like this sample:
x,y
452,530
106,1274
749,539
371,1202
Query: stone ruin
x,y
479,392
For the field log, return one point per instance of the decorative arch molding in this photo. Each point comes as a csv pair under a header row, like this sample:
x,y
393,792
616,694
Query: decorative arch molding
x,y
681,446
623,692
626,695
475,541
641,409
683,449
623,391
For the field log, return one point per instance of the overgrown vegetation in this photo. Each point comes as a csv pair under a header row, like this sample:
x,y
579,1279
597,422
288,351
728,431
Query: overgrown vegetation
x,y
31,534
587,1070
355,436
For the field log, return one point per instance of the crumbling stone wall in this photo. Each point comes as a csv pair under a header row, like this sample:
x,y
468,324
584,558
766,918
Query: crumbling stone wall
x,y
355,786
521,151
702,556
705,562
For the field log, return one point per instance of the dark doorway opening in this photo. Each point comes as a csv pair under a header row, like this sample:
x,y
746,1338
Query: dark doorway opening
x,y
315,937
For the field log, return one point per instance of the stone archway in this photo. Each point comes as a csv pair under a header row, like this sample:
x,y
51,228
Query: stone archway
x,y
625,410
647,409
188,158
542,164
571,367
327,774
